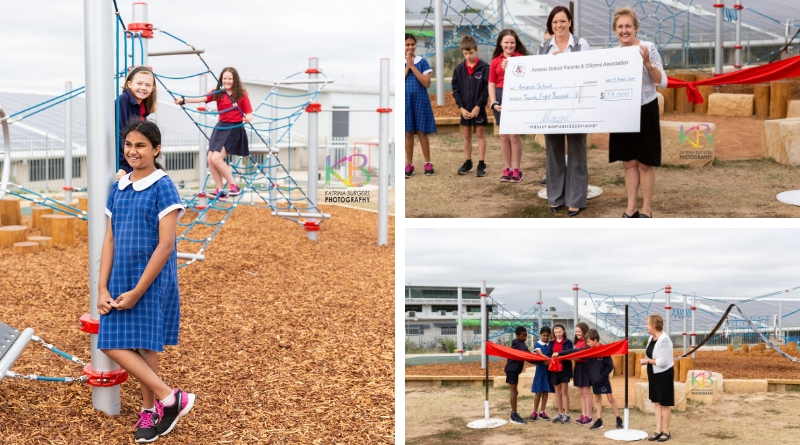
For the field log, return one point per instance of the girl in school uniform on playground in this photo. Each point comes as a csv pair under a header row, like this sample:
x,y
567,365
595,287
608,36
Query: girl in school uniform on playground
x,y
229,136
508,45
541,384
138,297
581,380
419,114
560,380
136,102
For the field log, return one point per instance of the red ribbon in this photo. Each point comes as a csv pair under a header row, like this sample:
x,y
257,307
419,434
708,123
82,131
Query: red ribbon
x,y
779,70
616,348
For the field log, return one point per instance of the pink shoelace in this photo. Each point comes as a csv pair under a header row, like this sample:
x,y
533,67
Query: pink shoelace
x,y
145,419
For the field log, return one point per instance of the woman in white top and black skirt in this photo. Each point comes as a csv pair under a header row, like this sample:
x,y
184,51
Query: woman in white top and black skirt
x,y
660,375
640,152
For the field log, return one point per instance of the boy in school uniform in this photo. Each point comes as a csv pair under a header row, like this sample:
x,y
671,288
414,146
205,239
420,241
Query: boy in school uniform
x,y
471,91
599,371
513,369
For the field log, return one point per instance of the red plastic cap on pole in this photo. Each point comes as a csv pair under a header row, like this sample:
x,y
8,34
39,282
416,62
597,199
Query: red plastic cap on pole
x,y
311,226
89,324
668,289
145,28
105,378
384,110
313,70
575,286
314,107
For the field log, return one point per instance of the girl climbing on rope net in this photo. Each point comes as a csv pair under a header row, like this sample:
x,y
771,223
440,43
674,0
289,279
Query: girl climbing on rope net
x,y
138,299
229,136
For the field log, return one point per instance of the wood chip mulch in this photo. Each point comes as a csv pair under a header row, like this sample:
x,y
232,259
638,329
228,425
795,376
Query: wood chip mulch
x,y
282,339
769,366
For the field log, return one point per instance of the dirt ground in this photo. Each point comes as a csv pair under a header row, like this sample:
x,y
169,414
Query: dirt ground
x,y
770,366
738,184
262,280
440,415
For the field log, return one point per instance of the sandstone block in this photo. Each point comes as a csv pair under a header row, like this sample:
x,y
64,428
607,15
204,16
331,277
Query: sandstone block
x,y
724,104
703,386
780,140
793,108
687,143
745,386
642,400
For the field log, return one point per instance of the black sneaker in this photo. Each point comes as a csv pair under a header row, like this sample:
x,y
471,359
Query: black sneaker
x,y
515,418
481,170
466,168
170,414
146,427
620,425
597,425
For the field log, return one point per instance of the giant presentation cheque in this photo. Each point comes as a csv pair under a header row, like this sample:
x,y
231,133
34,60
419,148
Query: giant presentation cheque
x,y
596,91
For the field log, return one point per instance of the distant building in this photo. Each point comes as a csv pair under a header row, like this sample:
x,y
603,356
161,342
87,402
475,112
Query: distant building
x,y
433,310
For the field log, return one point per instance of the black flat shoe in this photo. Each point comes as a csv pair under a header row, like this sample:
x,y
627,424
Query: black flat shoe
x,y
645,215
572,213
556,208
654,437
664,437
635,215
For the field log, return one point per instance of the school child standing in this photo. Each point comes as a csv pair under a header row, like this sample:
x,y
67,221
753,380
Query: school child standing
x,y
599,371
419,114
541,383
138,298
560,379
470,90
136,102
513,369
508,45
581,380
228,137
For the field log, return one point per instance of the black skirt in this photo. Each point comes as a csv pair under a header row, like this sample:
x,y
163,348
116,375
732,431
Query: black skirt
x,y
660,388
231,136
581,379
644,146
498,94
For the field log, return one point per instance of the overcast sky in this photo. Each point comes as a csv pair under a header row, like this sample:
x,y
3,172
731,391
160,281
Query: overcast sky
x,y
42,40
719,263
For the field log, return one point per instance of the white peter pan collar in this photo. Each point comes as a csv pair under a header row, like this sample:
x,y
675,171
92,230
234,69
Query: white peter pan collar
x,y
143,183
417,59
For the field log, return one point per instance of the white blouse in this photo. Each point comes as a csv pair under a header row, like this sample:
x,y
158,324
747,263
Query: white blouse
x,y
649,92
662,353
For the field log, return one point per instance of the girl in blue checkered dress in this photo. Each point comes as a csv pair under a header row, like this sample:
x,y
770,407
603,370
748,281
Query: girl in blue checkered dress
x,y
419,114
138,287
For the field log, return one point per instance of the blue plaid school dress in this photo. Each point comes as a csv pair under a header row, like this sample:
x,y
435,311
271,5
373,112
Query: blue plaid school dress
x,y
135,209
419,114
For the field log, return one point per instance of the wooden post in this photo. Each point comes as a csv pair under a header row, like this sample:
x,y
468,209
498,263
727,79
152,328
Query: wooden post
x,y
637,371
792,346
26,247
45,242
632,364
676,375
37,211
46,224
10,214
12,234
619,362
730,348
761,100
745,348
687,363
63,229
669,99
83,203
705,91
682,104
83,226
779,93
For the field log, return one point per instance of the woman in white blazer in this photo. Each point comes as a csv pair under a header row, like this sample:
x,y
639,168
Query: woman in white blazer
x,y
660,375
